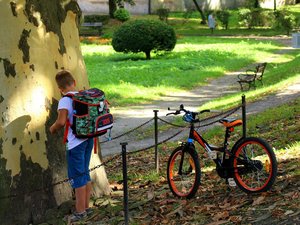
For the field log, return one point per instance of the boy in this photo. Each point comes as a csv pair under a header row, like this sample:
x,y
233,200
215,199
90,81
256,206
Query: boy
x,y
78,150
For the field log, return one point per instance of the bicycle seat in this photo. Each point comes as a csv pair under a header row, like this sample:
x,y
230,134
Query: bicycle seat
x,y
230,122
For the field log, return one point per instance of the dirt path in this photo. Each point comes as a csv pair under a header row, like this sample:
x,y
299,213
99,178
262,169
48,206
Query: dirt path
x,y
128,118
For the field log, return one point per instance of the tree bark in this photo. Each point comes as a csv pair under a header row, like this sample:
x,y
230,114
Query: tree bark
x,y
148,55
38,39
112,8
200,11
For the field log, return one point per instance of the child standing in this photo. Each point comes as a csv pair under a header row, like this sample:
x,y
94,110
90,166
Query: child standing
x,y
211,22
78,150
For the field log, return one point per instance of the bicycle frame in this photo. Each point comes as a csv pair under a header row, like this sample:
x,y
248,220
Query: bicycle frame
x,y
195,136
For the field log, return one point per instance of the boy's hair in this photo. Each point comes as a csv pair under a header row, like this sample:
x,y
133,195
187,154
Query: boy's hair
x,y
64,78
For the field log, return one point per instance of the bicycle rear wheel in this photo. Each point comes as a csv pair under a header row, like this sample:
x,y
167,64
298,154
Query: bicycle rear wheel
x,y
255,165
183,172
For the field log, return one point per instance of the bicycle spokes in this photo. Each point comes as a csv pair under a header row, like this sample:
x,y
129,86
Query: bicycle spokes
x,y
182,173
252,164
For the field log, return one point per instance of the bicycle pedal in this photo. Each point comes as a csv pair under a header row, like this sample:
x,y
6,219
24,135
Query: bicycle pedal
x,y
231,182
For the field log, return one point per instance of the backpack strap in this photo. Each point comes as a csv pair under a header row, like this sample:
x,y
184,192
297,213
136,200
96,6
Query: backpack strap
x,y
65,140
68,124
95,145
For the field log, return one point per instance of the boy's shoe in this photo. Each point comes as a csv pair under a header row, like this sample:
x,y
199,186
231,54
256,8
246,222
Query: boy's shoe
x,y
77,216
89,211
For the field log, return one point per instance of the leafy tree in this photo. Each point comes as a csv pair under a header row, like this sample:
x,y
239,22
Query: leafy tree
x,y
114,4
285,21
203,18
122,14
223,16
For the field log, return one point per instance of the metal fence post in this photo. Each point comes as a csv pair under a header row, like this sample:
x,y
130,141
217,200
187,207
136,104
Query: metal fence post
x,y
125,187
244,116
156,140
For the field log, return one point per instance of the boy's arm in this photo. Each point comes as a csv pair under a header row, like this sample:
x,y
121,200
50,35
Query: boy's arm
x,y
60,122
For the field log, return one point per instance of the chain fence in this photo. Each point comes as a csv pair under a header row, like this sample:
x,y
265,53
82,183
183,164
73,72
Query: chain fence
x,y
221,115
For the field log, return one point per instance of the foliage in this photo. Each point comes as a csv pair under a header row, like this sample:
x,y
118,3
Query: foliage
x,y
163,14
223,16
285,21
252,17
144,36
112,5
253,4
96,18
122,14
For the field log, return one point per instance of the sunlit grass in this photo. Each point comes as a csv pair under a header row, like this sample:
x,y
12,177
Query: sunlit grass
x,y
278,75
130,79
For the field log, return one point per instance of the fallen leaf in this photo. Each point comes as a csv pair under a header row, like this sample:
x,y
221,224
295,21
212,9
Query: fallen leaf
x,y
167,201
150,194
258,200
236,219
221,215
289,212
178,210
263,217
218,222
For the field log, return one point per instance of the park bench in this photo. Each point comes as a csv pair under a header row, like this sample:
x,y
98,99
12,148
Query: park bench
x,y
95,25
251,76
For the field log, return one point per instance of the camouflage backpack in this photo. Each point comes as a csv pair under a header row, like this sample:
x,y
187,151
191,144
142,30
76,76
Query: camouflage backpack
x,y
91,117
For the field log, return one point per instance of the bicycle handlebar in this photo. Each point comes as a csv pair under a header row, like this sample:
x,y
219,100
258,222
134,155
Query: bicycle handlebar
x,y
182,109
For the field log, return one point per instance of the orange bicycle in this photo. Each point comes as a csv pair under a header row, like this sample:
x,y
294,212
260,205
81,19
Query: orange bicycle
x,y
251,163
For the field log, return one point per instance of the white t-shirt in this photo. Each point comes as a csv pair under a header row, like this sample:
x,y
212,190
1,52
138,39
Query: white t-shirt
x,y
67,103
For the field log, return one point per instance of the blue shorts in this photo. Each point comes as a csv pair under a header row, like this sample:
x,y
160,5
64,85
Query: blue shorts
x,y
78,163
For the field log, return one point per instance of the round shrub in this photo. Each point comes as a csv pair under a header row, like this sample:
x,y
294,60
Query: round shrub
x,y
144,36
122,14
163,14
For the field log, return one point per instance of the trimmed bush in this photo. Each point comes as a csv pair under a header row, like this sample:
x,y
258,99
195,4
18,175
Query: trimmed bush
x,y
96,18
122,14
144,36
223,16
285,21
163,14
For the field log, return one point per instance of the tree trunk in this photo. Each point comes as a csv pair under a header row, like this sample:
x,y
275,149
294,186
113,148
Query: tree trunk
x,y
38,39
148,55
112,8
200,11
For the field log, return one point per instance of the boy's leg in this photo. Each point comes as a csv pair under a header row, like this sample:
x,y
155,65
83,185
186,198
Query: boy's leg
x,y
88,153
76,170
88,194
80,194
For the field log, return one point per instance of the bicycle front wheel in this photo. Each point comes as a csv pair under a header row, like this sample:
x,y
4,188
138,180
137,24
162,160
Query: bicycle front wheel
x,y
184,172
255,165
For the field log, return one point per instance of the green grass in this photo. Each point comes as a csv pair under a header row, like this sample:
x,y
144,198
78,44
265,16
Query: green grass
x,y
277,76
129,79
279,126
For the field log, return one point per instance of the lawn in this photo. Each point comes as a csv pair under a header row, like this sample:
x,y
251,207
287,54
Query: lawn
x,y
130,79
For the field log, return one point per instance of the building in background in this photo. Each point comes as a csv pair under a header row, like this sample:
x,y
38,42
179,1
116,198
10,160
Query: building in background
x,y
145,6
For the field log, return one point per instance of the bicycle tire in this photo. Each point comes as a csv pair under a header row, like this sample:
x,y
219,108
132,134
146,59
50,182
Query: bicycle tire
x,y
272,169
193,154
